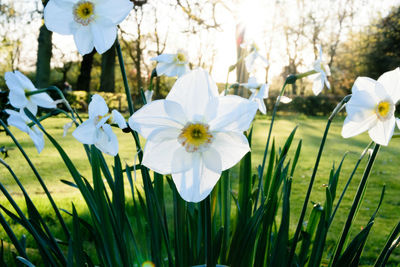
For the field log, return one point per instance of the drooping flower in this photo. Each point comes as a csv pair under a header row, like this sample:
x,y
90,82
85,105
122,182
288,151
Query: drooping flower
x,y
148,94
371,107
19,85
254,59
194,134
21,121
172,65
321,77
259,92
93,23
96,131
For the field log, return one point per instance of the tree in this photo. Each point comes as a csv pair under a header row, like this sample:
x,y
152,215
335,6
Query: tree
x,y
107,77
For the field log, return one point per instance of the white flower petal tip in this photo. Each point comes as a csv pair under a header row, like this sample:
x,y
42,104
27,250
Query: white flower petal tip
x,y
371,108
93,23
148,95
19,85
285,100
96,130
194,134
66,127
172,65
21,121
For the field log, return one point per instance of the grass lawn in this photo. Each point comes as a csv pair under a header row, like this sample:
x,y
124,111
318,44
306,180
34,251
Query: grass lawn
x,y
385,171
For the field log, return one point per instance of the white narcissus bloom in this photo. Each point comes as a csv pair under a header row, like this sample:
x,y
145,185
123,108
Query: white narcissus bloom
x,y
285,99
19,85
148,94
194,134
21,121
96,131
321,77
93,23
254,59
371,107
259,92
172,65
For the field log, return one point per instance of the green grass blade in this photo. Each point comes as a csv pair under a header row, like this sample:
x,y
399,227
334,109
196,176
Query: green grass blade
x,y
385,251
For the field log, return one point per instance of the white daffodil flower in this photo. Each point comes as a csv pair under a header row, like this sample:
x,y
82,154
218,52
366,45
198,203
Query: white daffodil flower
x,y
254,59
371,107
96,131
259,92
19,85
321,77
148,95
93,23
194,134
21,121
172,65
285,100
66,127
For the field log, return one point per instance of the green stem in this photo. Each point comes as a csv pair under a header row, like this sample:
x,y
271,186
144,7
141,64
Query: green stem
x,y
53,204
356,201
124,77
321,148
208,234
305,74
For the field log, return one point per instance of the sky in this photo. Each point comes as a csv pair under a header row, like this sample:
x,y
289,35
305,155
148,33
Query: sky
x,y
260,18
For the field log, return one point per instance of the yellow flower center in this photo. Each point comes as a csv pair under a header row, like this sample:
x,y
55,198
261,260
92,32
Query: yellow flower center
x,y
181,57
83,12
195,137
384,110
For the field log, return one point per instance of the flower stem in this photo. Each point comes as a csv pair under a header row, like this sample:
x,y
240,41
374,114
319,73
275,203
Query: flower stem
x,y
354,207
314,173
124,77
208,235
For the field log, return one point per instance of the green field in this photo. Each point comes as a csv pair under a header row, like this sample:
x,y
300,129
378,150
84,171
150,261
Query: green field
x,y
385,171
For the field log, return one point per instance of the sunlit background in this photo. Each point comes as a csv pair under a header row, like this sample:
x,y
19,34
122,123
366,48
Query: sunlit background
x,y
286,32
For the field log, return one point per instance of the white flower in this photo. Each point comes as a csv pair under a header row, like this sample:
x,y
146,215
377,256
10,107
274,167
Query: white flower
x,y
172,64
254,59
371,107
92,22
259,92
66,128
398,123
148,94
21,121
19,84
321,77
285,100
96,131
194,134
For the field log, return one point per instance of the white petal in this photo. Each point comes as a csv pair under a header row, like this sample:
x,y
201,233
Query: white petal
x,y
250,61
212,160
196,184
318,84
37,137
364,83
33,108
43,100
193,91
261,106
66,128
155,115
86,132
107,140
382,131
104,34
398,122
391,82
17,94
285,99
361,106
58,16
263,92
83,39
231,147
97,107
165,58
167,69
118,119
161,148
115,10
233,113
353,127
181,70
24,81
17,120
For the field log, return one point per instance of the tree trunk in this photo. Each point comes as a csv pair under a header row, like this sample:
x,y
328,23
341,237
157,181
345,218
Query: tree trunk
x,y
84,77
43,57
241,72
107,78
